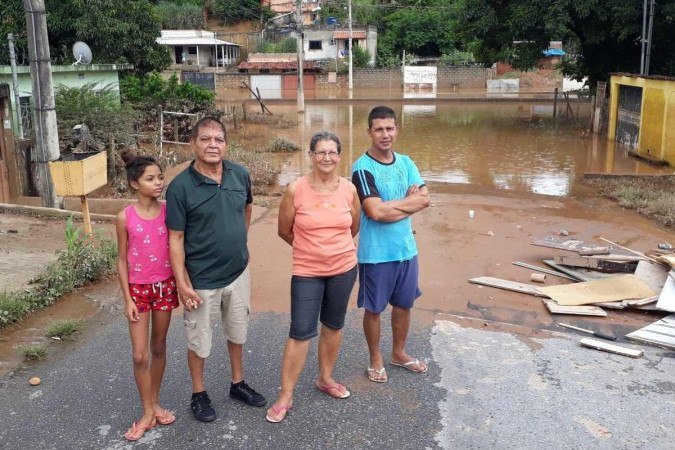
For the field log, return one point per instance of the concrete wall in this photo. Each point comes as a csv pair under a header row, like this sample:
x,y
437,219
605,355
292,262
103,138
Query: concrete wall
x,y
657,115
448,76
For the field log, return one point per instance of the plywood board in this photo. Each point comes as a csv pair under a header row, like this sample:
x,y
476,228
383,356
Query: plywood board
x,y
660,333
619,287
653,274
666,300
611,348
508,285
555,308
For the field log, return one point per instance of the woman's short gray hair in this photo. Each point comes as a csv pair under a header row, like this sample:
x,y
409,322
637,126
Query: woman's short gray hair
x,y
324,136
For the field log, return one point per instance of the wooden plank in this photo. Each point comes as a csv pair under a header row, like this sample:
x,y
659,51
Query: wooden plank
x,y
641,301
612,305
572,245
595,264
666,300
555,308
668,259
544,270
611,348
508,285
619,287
619,257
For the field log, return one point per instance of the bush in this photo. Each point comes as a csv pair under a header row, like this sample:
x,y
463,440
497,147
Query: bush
x,y
150,92
281,144
360,57
457,58
97,107
287,45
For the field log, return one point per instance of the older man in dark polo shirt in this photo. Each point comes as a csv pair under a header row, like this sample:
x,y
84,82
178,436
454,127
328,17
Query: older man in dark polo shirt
x,y
208,216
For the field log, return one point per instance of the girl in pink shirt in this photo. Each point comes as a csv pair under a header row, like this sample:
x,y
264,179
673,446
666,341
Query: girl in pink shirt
x,y
148,286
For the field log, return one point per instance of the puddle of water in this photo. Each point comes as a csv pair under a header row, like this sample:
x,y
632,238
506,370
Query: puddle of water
x,y
492,145
76,305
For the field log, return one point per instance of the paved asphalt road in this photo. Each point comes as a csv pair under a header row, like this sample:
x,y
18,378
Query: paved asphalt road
x,y
484,389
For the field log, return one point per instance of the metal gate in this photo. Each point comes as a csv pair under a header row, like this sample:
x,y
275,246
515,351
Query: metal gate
x,y
628,116
268,85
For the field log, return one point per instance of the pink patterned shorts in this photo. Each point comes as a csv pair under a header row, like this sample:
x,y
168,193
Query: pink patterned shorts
x,y
161,296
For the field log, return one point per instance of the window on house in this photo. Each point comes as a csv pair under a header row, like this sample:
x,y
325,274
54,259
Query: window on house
x,y
315,45
192,50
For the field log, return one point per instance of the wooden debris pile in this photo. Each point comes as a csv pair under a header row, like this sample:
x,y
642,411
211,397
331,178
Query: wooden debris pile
x,y
604,277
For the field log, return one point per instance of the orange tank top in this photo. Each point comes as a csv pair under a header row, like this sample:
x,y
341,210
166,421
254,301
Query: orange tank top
x,y
322,238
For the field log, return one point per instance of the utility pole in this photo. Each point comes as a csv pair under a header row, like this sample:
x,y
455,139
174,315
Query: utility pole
x,y
644,37
15,85
46,132
649,36
351,63
301,50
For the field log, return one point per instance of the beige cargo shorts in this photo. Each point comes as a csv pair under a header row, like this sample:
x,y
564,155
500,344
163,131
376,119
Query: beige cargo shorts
x,y
231,304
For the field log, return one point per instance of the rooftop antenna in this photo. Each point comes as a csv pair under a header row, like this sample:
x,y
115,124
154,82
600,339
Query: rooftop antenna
x,y
82,53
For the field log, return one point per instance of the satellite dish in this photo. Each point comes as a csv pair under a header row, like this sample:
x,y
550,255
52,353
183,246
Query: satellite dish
x,y
82,53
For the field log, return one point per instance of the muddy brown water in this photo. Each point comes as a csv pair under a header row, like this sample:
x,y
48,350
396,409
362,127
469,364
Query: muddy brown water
x,y
501,146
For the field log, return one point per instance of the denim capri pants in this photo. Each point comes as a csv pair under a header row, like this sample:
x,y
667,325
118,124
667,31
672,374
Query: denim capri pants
x,y
324,298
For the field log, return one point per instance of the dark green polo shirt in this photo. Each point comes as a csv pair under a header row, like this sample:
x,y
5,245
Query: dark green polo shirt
x,y
213,219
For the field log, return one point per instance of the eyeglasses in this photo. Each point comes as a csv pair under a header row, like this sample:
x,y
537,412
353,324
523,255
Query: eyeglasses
x,y
322,155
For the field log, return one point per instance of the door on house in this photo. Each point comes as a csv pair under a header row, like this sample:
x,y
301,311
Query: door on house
x,y
178,54
628,116
268,85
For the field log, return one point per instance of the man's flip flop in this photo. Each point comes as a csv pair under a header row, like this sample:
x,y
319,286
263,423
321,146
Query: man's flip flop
x,y
334,390
381,372
408,365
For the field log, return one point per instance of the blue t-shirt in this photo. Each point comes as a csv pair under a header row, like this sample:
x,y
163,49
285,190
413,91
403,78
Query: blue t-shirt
x,y
385,241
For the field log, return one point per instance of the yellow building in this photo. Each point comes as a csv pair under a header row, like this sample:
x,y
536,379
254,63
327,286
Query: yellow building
x,y
642,115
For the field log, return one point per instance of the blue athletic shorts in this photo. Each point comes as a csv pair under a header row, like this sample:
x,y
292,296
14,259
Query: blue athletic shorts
x,y
324,298
392,283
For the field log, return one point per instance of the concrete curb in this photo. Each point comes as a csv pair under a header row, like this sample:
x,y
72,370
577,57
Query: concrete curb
x,y
52,213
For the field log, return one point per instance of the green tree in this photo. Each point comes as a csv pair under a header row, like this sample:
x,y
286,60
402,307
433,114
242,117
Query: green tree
x,y
606,33
423,31
181,15
123,31
237,10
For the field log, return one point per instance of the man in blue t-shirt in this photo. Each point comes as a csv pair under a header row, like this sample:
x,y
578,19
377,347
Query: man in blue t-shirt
x,y
391,191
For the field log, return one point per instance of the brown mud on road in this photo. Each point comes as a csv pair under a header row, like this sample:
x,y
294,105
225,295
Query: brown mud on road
x,y
454,248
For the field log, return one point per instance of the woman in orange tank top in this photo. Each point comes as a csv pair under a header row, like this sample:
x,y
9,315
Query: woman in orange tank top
x,y
318,217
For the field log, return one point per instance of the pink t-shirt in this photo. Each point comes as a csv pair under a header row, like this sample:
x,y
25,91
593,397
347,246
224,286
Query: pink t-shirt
x,y
322,239
147,247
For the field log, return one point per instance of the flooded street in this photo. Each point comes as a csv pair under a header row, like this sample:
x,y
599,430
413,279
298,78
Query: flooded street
x,y
503,146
